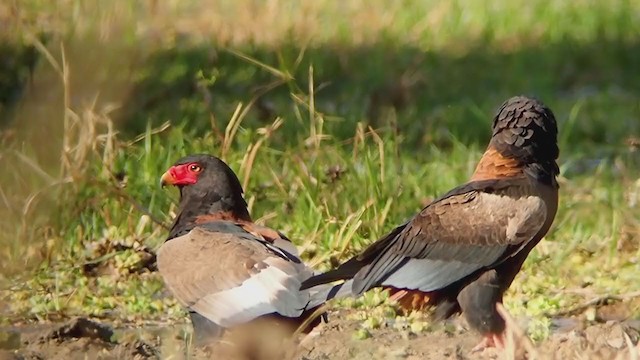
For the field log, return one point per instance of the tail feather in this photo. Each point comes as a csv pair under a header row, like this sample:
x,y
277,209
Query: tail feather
x,y
328,292
345,271
353,266
325,278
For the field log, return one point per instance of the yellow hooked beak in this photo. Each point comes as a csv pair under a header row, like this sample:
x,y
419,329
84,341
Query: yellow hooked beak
x,y
167,179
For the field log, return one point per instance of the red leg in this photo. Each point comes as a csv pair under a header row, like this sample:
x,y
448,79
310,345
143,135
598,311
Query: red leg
x,y
491,340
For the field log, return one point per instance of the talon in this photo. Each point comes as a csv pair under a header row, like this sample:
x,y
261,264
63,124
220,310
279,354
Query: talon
x,y
490,341
499,341
486,343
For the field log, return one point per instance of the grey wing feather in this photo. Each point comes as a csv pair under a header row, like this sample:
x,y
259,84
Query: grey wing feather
x,y
429,275
454,237
231,280
272,290
323,293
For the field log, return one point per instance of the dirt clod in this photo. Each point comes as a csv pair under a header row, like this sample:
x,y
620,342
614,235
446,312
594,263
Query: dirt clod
x,y
79,328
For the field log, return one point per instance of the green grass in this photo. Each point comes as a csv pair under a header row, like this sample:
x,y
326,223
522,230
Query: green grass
x,y
356,117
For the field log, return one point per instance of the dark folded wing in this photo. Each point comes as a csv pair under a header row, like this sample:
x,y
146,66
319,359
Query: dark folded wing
x,y
472,227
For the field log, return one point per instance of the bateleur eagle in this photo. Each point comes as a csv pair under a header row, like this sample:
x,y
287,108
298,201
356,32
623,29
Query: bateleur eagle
x,y
463,250
226,270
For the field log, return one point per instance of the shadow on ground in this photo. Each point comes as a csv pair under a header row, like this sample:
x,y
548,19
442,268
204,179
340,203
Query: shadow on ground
x,y
427,95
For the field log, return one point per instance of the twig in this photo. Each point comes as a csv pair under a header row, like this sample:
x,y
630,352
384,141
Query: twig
x,y
598,300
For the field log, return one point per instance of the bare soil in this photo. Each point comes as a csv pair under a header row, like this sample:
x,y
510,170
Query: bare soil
x,y
87,339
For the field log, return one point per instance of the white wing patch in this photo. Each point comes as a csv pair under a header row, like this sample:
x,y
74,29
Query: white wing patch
x,y
429,274
272,290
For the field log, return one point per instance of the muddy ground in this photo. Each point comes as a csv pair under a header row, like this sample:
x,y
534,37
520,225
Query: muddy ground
x,y
87,339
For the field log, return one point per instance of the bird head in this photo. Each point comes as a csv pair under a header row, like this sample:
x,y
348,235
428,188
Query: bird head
x,y
202,171
207,186
525,130
182,174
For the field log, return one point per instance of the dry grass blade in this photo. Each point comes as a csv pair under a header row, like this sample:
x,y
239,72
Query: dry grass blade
x,y
63,73
347,231
34,166
47,54
317,121
238,115
358,139
285,76
380,144
155,131
230,131
516,337
351,226
318,312
80,132
252,150
381,219
5,200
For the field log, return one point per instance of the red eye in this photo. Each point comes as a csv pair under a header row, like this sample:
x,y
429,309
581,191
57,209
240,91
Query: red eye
x,y
195,168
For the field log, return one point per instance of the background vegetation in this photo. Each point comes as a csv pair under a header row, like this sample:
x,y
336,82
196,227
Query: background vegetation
x,y
342,118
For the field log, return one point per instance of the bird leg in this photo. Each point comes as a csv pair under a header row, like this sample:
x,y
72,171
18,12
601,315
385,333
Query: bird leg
x,y
512,340
491,341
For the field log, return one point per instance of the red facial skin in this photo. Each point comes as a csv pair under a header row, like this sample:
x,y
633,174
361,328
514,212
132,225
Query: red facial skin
x,y
181,175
